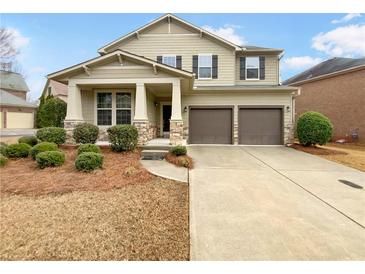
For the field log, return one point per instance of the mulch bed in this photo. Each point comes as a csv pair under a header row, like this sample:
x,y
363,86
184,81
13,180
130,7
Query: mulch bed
x,y
317,150
22,176
180,161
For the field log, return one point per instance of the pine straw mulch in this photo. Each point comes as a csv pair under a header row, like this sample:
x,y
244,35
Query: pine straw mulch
x,y
180,161
317,150
22,176
118,213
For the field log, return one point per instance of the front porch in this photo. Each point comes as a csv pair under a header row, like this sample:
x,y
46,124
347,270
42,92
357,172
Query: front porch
x,y
153,106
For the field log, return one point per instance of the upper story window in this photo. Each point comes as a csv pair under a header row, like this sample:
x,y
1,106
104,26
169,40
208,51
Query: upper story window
x,y
169,60
252,68
205,66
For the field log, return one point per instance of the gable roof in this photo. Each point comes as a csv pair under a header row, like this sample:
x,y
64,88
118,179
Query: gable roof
x,y
7,99
326,68
120,52
58,89
169,16
12,81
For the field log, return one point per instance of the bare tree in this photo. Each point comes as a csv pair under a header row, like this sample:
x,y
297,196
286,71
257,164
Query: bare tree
x,y
7,48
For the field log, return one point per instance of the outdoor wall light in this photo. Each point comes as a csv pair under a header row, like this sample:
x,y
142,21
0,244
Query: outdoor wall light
x,y
185,109
287,108
156,104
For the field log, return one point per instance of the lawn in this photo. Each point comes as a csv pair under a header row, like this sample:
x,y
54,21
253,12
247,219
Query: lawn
x,y
118,213
351,155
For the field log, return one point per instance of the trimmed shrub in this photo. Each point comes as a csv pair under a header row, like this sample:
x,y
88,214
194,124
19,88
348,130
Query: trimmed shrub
x,y
86,133
55,135
88,148
30,140
42,147
3,160
51,113
123,137
179,150
89,161
314,128
17,150
3,147
50,159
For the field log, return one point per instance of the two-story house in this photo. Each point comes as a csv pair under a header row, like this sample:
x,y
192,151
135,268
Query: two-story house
x,y
174,80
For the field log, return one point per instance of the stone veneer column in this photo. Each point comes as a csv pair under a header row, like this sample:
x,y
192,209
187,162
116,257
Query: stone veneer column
x,y
140,120
176,132
176,122
74,111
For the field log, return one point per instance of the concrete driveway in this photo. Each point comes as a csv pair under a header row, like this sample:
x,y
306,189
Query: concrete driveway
x,y
273,203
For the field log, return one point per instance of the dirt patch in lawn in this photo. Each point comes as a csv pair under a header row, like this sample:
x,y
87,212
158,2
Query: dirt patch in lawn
x,y
147,221
22,176
180,161
351,155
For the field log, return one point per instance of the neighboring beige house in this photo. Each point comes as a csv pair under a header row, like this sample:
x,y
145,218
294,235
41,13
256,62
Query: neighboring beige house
x,y
15,111
336,88
57,89
174,80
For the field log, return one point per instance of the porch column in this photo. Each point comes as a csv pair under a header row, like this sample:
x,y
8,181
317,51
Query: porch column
x,y
74,111
140,119
176,123
140,112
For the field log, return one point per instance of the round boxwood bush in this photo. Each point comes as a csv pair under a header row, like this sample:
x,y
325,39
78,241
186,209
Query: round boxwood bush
x,y
86,133
89,161
123,137
30,140
3,160
3,148
314,128
50,159
17,150
179,150
88,148
55,135
42,147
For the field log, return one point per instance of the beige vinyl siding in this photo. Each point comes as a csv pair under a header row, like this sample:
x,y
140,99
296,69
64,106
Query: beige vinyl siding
x,y
271,72
236,100
151,46
151,109
20,120
88,107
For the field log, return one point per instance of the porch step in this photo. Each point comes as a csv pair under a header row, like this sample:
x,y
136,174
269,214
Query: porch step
x,y
156,147
153,154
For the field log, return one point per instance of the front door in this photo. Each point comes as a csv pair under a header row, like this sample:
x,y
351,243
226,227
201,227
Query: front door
x,y
166,116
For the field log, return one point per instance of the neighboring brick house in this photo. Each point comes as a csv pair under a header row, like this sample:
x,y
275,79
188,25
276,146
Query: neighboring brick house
x,y
15,111
336,88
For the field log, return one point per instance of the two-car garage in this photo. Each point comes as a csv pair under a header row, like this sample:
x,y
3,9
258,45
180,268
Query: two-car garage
x,y
257,125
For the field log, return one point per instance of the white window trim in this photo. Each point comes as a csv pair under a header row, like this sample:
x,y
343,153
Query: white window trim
x,y
113,91
169,55
258,70
211,67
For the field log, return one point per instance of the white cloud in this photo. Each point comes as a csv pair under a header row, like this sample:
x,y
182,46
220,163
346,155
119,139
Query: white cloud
x,y
300,62
348,41
37,69
227,32
346,18
19,40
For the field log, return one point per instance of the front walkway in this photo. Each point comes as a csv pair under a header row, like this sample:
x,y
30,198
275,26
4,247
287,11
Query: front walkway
x,y
273,203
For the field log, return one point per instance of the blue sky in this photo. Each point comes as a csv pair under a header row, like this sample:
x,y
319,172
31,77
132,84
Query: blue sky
x,y
50,42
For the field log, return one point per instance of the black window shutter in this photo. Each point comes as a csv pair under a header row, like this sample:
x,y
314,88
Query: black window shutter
x,y
242,68
178,62
215,66
262,67
195,65
159,59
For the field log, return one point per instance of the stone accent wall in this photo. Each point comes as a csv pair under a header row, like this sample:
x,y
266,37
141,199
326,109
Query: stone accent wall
x,y
176,132
69,126
146,131
288,134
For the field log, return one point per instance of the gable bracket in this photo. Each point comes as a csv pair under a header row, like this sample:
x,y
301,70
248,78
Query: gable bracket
x,y
137,34
87,70
155,69
201,33
120,59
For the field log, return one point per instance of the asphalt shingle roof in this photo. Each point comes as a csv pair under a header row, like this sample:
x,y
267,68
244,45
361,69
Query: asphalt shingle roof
x,y
7,99
12,81
329,66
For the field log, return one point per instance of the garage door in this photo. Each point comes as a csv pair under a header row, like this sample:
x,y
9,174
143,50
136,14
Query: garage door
x,y
210,126
20,120
260,126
